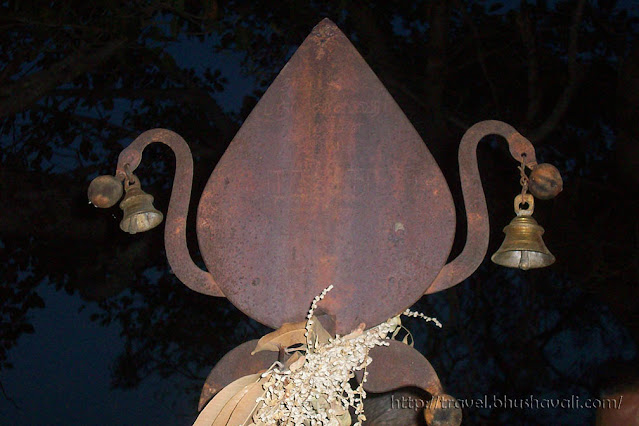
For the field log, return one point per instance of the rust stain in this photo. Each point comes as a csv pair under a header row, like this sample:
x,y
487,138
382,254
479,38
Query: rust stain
x,y
327,177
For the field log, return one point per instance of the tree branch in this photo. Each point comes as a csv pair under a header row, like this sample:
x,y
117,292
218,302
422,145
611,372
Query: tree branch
x,y
481,57
436,64
21,94
528,37
574,80
8,398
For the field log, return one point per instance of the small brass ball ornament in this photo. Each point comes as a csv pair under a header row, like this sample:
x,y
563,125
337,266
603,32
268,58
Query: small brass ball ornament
x,y
545,182
104,191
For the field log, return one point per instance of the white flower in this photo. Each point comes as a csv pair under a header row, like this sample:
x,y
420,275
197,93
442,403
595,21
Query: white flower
x,y
322,383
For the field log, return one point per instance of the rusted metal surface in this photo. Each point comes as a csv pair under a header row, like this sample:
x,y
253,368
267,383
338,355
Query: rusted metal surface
x,y
619,409
400,407
177,251
401,366
443,410
478,229
398,366
326,182
235,364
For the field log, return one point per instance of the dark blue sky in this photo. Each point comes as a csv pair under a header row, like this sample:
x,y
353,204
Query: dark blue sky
x,y
61,374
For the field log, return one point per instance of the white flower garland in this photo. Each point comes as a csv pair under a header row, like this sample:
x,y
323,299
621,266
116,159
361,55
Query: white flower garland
x,y
316,389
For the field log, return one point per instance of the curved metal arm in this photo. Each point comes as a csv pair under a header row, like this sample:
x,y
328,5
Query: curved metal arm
x,y
476,212
177,251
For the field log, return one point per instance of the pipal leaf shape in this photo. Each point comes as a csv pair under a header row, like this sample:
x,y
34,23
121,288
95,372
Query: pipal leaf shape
x,y
215,406
292,359
355,333
243,412
292,333
297,364
224,417
234,404
319,334
344,419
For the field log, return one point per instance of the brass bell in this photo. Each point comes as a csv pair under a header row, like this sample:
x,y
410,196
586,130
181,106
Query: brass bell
x,y
523,246
139,213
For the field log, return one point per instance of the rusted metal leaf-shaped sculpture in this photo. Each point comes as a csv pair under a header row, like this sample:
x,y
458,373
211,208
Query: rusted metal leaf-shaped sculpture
x,y
327,182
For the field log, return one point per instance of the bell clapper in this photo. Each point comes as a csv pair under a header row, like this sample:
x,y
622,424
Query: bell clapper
x,y
524,262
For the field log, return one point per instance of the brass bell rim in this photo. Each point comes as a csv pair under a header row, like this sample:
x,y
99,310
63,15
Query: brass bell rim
x,y
523,246
512,259
153,219
140,219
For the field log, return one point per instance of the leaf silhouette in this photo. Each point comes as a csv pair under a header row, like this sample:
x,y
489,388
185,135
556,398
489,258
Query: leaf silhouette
x,y
296,362
292,333
319,334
